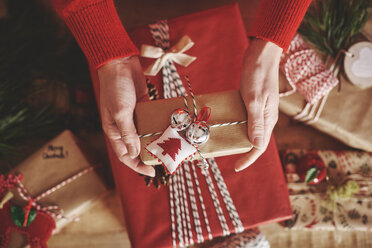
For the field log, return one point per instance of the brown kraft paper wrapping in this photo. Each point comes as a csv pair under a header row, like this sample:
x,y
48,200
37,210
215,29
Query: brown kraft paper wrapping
x,y
347,114
152,117
56,161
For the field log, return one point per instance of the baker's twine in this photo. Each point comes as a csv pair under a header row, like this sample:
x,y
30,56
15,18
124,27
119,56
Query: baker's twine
x,y
195,114
53,210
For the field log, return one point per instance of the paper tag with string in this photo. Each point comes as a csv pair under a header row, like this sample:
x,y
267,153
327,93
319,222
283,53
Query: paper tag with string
x,y
358,64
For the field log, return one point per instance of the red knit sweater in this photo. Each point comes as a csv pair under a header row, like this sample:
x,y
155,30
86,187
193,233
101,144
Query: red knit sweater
x,y
102,37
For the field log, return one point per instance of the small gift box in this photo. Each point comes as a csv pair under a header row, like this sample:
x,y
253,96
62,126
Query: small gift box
x,y
226,108
56,183
340,201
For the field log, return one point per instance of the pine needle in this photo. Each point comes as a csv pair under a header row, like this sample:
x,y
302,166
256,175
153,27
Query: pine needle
x,y
331,25
36,53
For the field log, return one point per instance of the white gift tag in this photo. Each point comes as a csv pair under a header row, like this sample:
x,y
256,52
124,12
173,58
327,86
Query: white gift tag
x,y
358,64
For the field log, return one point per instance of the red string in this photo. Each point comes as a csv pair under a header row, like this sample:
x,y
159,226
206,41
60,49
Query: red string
x,y
27,211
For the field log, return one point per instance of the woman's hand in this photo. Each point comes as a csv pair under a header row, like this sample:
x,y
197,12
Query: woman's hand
x,y
259,88
122,84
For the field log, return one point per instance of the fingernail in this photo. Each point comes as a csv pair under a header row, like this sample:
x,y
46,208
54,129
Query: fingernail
x,y
132,152
242,165
258,142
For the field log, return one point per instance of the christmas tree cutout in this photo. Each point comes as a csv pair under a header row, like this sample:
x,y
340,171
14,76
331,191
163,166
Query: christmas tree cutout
x,y
171,147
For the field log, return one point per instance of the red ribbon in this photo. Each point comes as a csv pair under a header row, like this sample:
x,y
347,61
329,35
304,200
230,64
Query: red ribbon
x,y
27,211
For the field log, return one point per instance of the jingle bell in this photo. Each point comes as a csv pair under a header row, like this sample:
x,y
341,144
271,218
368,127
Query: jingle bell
x,y
198,133
180,119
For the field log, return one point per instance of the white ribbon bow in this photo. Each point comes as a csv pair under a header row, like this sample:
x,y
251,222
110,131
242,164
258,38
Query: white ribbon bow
x,y
176,54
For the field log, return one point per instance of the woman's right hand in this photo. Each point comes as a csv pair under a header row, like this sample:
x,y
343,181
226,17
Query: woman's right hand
x,y
122,84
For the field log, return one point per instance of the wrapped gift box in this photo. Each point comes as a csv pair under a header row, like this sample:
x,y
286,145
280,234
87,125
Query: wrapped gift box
x,y
153,117
347,114
259,193
311,206
58,160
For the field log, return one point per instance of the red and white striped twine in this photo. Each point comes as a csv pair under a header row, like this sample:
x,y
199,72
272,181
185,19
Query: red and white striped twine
x,y
53,210
233,213
181,185
306,72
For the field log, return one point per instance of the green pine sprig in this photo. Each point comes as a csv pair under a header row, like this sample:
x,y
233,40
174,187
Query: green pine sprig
x,y
37,55
331,25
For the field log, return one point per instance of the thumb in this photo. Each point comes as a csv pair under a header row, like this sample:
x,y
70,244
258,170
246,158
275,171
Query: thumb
x,y
128,132
256,125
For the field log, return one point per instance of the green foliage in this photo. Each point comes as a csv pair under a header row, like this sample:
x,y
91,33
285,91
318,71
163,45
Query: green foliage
x,y
22,123
38,58
19,65
311,174
344,192
18,216
331,25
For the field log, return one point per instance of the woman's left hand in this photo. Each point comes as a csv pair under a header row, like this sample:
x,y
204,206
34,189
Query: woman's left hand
x,y
259,88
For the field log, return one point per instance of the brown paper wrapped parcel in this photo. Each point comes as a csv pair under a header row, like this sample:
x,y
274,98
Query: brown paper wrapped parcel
x,y
155,116
347,114
58,160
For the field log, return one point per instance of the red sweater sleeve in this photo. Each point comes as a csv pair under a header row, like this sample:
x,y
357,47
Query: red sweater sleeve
x,y
278,20
97,28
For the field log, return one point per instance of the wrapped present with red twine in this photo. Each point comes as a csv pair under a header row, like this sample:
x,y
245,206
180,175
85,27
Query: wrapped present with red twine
x,y
47,191
199,204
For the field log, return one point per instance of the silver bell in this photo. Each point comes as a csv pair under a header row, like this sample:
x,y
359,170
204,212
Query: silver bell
x,y
198,133
180,119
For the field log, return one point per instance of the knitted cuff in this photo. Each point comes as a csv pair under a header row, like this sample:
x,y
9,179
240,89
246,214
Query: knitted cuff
x,y
99,32
277,21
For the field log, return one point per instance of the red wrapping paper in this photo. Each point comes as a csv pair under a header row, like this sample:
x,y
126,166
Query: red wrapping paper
x,y
259,192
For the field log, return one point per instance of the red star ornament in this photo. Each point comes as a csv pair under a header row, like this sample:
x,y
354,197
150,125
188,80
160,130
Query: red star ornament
x,y
171,149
